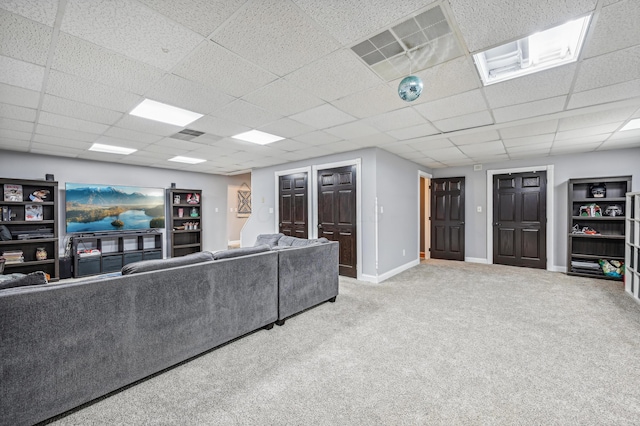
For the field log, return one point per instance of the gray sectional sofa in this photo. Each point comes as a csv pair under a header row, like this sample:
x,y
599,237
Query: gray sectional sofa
x,y
65,344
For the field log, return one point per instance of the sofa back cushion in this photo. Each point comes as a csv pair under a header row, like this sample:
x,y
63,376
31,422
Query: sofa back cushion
x,y
34,278
269,239
239,252
157,264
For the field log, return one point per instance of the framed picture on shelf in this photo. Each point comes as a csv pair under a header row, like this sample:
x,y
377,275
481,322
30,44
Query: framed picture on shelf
x,y
12,192
32,212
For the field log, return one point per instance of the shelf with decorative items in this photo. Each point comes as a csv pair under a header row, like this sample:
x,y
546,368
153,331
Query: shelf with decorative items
x,y
184,233
28,226
596,226
632,245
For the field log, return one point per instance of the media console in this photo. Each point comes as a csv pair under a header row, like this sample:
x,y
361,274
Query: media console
x,y
103,252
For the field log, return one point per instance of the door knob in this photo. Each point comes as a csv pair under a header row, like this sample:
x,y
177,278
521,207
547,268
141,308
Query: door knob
x,y
280,225
461,223
319,225
497,224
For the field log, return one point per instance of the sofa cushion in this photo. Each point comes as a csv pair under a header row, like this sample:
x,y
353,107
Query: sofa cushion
x,y
269,239
286,241
157,264
34,278
238,252
301,242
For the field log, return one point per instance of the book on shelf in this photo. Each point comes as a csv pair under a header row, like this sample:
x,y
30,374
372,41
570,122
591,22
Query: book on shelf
x,y
13,256
12,192
6,214
32,212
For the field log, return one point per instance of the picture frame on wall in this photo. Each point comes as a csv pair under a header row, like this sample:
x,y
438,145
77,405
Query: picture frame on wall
x,y
244,201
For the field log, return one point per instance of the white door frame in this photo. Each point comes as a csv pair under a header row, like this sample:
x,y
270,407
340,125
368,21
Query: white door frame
x,y
550,208
277,175
314,190
421,175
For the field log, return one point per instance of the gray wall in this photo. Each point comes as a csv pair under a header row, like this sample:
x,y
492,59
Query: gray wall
x,y
594,164
384,175
214,188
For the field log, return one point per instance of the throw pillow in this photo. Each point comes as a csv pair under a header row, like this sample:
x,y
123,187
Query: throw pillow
x,y
34,278
239,252
157,264
269,239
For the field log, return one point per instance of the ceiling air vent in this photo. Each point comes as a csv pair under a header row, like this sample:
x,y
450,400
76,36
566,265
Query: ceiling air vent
x,y
187,134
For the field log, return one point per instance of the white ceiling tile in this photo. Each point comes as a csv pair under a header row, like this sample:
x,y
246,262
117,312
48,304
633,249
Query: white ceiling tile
x,y
476,137
531,109
476,119
202,16
463,103
490,158
11,124
21,74
142,159
317,138
218,126
17,112
60,132
425,146
293,39
54,150
193,96
445,154
89,92
586,131
126,143
187,146
448,79
488,148
286,127
43,11
15,134
322,117
57,120
542,85
153,127
612,68
129,28
214,151
334,76
23,39
78,57
247,114
529,140
377,139
132,135
374,101
567,149
413,132
14,144
492,22
342,146
349,21
79,110
62,141
626,134
581,140
459,162
617,115
311,152
289,145
400,118
533,129
528,148
615,92
18,96
529,154
620,144
101,156
214,66
352,130
616,28
283,98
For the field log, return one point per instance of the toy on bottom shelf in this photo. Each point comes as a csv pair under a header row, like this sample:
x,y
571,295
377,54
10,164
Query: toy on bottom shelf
x,y
612,268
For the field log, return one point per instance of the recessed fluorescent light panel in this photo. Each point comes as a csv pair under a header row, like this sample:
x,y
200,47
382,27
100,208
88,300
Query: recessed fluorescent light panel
x,y
632,125
256,136
111,149
187,160
165,113
540,51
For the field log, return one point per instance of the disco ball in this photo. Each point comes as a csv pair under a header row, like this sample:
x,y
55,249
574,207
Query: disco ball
x,y
410,88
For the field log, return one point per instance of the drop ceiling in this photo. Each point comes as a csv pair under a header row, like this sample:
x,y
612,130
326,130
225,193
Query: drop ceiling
x,y
71,71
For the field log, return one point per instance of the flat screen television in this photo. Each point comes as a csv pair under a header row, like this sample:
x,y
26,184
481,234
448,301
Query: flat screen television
x,y
101,208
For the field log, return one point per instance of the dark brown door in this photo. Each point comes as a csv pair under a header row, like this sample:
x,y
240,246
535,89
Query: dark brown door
x,y
447,218
293,205
337,213
520,219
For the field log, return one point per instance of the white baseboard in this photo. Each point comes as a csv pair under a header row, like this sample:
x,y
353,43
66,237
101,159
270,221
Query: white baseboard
x,y
378,279
476,260
557,268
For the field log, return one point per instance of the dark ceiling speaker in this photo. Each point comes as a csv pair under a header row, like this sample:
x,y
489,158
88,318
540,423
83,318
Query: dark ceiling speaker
x,y
173,185
49,177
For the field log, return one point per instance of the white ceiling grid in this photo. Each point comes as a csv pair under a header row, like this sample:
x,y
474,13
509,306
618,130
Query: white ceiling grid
x,y
287,67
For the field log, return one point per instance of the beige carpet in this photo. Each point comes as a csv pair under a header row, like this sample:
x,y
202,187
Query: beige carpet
x,y
443,343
